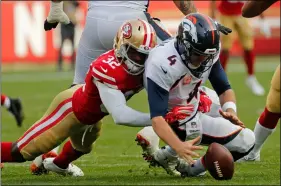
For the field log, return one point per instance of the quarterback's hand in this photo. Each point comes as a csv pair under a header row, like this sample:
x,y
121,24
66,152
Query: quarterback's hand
x,y
223,29
179,113
186,150
56,15
204,103
232,117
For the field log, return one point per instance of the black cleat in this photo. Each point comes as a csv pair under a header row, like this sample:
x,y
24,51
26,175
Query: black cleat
x,y
16,110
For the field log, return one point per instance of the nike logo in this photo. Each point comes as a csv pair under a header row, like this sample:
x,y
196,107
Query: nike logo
x,y
165,71
105,70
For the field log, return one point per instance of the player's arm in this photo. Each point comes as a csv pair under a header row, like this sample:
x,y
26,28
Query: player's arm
x,y
213,9
115,103
158,86
158,104
254,8
186,7
221,85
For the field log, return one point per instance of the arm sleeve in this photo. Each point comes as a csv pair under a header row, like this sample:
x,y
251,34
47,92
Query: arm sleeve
x,y
158,99
115,103
219,79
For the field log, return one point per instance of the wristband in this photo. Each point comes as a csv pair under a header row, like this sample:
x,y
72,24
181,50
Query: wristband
x,y
228,105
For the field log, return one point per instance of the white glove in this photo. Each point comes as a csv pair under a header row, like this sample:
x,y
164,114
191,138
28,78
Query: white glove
x,y
265,28
56,13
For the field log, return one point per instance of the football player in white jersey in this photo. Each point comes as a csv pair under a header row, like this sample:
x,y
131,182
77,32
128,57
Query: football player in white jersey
x,y
174,71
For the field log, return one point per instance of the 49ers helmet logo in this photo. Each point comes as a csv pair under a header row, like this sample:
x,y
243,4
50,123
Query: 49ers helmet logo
x,y
127,30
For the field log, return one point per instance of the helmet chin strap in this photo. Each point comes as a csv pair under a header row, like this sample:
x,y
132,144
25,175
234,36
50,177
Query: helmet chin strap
x,y
192,66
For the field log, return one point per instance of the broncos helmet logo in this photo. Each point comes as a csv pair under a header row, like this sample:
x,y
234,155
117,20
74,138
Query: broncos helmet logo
x,y
188,26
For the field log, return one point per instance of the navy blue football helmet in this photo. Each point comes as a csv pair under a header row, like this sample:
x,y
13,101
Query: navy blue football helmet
x,y
198,41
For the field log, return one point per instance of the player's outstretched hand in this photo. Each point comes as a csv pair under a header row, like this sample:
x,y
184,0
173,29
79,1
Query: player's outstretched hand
x,y
233,118
56,15
186,151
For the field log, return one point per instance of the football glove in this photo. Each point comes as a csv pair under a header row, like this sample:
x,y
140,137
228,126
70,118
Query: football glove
x,y
179,113
204,103
223,29
56,15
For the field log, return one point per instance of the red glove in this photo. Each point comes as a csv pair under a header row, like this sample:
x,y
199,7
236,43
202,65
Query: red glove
x,y
179,113
204,103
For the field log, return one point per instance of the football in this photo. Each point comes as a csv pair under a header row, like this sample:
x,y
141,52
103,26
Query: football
x,y
219,162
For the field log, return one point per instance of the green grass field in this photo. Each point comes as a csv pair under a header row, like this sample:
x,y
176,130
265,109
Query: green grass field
x,y
116,159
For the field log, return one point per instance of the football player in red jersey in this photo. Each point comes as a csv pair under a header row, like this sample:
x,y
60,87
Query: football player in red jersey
x,y
14,106
230,16
77,112
269,118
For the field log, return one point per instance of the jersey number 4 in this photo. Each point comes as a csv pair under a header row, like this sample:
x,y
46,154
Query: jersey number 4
x,y
193,93
172,59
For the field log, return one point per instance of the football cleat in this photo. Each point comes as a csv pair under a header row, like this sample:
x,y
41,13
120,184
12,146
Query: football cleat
x,y
148,141
71,170
37,167
167,161
250,157
185,169
255,86
16,110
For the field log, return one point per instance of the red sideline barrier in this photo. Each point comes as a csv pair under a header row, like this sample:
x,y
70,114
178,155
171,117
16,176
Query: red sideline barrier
x,y
23,38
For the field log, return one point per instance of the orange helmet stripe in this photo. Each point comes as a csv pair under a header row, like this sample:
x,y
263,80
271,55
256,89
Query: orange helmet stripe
x,y
211,25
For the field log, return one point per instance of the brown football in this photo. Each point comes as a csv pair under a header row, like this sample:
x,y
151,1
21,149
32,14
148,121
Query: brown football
x,y
219,162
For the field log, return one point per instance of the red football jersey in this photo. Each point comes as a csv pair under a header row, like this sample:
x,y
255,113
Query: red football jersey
x,y
86,103
230,7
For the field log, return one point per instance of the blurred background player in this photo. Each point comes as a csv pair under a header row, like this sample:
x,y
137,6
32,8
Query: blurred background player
x,y
14,106
68,32
229,14
268,120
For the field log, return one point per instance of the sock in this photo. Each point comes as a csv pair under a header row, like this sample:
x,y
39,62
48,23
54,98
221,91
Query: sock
x,y
6,152
249,59
56,150
38,161
5,101
198,167
224,55
171,151
3,97
264,127
67,155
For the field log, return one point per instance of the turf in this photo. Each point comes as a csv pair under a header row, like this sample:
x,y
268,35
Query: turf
x,y
116,159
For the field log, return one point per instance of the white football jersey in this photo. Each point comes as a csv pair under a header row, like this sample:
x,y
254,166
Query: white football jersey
x,y
165,67
138,5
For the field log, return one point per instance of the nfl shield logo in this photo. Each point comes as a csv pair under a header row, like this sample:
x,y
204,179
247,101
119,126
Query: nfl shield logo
x,y
187,80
